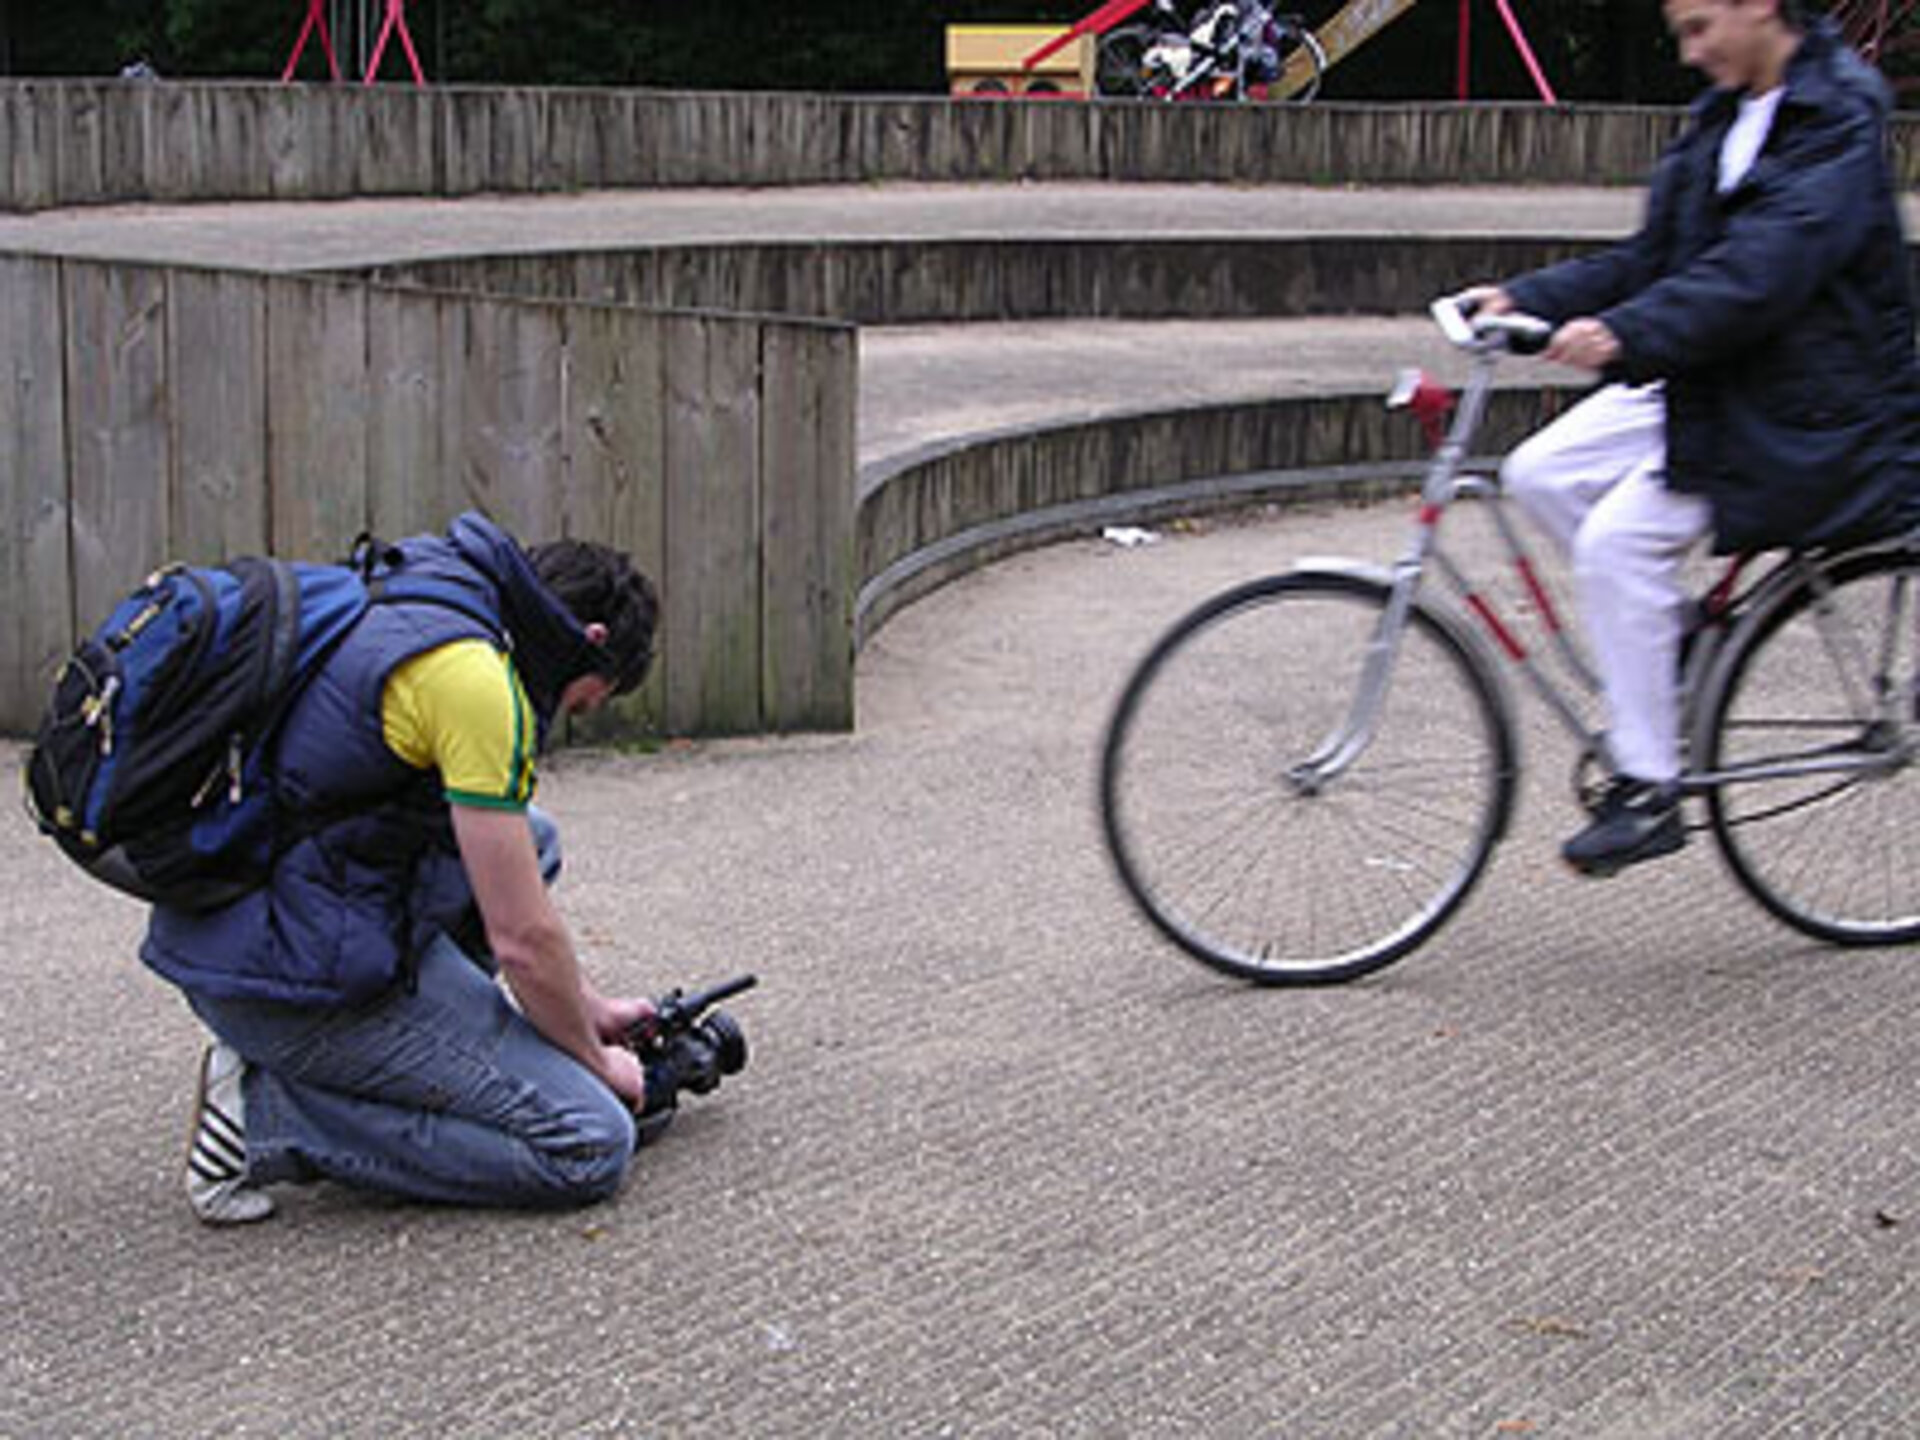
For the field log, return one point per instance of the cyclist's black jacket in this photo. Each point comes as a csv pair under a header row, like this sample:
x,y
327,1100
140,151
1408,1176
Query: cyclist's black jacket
x,y
1780,315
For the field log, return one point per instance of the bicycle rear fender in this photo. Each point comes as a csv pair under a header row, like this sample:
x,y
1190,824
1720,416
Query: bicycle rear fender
x,y
1781,586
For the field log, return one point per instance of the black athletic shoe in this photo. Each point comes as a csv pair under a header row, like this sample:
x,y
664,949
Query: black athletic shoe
x,y
1635,820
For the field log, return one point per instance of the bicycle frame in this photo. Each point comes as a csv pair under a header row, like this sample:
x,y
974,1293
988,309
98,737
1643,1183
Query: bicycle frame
x,y
1215,50
1446,480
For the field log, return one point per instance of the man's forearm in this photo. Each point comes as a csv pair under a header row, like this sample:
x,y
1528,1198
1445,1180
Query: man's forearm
x,y
545,979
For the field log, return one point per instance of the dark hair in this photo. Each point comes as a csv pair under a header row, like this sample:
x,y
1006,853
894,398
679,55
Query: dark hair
x,y
599,584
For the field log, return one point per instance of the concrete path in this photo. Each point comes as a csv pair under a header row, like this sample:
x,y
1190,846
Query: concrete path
x,y
1616,1159
1605,1160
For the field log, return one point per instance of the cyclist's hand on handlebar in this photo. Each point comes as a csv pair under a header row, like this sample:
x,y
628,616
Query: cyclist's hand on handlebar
x,y
1485,300
1586,344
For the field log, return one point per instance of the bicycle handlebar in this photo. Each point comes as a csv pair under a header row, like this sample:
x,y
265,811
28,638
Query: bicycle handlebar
x,y
1521,334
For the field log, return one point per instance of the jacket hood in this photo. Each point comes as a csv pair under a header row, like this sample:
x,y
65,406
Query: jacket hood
x,y
550,646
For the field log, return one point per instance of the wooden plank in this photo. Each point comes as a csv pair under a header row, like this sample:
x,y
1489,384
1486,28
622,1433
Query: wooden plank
x,y
396,132
33,153
119,436
505,128
712,581
171,167
317,403
408,485
35,576
466,124
15,153
810,375
78,138
123,140
300,127
615,485
217,338
226,134
502,374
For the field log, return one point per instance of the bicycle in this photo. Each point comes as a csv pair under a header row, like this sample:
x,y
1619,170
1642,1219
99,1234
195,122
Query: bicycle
x,y
1233,49
1306,775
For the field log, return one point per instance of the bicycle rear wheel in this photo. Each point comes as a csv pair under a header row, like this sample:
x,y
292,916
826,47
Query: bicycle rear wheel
x,y
1244,859
1826,675
1119,63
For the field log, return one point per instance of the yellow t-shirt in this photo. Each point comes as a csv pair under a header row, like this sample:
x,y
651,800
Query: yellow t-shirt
x,y
459,708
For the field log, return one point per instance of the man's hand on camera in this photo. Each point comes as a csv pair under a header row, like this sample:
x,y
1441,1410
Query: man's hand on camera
x,y
620,1068
613,1018
1586,344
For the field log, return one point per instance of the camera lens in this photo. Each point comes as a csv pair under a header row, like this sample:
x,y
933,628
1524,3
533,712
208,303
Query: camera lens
x,y
729,1042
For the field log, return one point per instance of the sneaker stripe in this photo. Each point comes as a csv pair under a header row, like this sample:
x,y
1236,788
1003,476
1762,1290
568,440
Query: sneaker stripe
x,y
215,1121
209,1152
214,1174
218,1150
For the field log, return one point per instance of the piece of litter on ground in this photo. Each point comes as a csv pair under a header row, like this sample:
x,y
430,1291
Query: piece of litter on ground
x,y
1128,536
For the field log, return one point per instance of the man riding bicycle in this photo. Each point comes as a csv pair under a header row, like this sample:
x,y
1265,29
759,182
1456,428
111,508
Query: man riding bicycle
x,y
1757,339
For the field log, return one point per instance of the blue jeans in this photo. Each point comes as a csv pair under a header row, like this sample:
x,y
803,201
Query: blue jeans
x,y
438,1091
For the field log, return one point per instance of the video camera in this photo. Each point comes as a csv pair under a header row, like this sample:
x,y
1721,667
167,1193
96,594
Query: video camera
x,y
682,1047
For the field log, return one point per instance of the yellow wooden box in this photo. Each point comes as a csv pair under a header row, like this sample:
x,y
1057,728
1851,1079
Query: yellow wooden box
x,y
986,60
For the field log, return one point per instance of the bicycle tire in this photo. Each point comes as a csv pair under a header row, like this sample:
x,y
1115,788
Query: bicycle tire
x,y
1304,39
1237,865
1835,856
1118,69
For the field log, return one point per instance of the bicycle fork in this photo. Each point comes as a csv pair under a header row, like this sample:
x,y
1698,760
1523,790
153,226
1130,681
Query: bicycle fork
x,y
1349,739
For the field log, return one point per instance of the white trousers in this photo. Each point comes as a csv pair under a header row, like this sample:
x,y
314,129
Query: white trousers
x,y
1594,480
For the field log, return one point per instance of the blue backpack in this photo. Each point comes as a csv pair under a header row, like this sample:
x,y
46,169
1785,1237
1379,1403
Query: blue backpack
x,y
150,766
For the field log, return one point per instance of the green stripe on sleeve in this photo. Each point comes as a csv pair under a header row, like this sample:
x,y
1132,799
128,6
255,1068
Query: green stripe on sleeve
x,y
483,802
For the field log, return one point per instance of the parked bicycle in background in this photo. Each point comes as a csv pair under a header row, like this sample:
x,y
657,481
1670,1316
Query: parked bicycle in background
x,y
1230,50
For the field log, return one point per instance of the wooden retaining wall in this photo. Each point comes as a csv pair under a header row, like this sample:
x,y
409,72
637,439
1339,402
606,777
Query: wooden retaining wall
x,y
912,282
150,413
69,142
930,517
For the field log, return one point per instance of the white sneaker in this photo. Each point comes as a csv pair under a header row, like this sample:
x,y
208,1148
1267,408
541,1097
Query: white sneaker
x,y
217,1148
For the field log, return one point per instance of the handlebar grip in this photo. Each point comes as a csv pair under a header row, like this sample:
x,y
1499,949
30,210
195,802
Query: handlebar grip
x,y
1460,321
1454,315
1524,334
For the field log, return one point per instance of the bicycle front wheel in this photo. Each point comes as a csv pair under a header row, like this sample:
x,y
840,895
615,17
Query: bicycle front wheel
x,y
1821,692
1248,852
